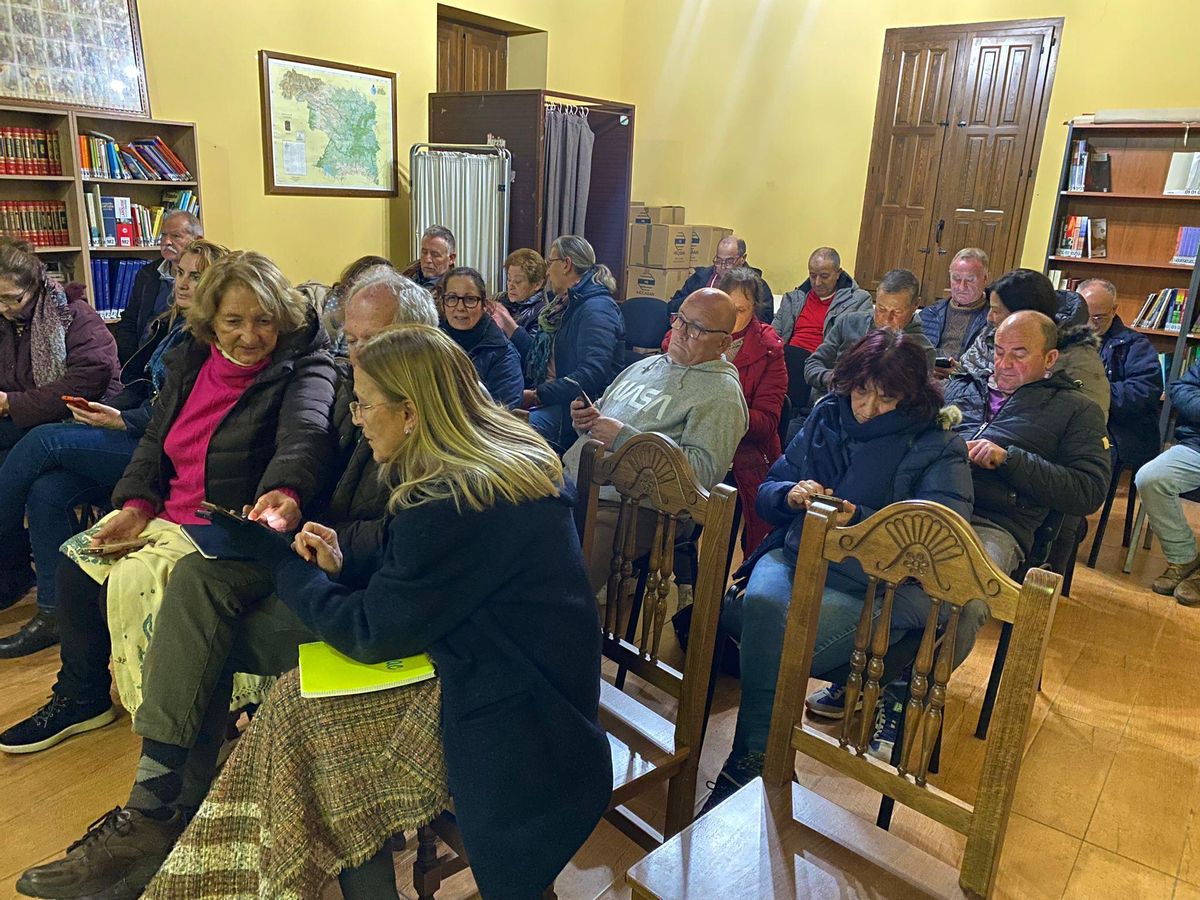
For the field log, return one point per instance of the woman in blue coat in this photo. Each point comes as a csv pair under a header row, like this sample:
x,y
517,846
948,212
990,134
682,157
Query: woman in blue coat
x,y
463,303
877,438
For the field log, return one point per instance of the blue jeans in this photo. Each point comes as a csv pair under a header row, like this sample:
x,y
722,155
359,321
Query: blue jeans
x,y
760,621
1173,472
47,473
548,422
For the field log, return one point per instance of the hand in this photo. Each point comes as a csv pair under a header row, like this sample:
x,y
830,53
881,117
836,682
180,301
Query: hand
x,y
3,404
802,493
276,510
529,399
318,544
99,416
124,526
583,415
847,513
985,454
256,540
504,319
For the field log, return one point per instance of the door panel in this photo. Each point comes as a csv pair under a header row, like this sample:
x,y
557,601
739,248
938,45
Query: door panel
x,y
449,57
486,56
912,109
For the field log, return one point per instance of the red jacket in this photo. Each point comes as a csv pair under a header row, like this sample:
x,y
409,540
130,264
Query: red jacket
x,y
763,374
92,368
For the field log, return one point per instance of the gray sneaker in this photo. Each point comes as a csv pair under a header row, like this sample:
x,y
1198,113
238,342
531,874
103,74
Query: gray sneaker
x,y
1174,573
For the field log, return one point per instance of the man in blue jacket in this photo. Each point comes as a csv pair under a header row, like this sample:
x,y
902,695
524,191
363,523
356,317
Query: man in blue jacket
x,y
1134,377
951,325
731,254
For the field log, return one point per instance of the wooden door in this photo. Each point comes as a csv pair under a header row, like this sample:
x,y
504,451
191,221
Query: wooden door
x,y
910,122
470,58
449,56
985,160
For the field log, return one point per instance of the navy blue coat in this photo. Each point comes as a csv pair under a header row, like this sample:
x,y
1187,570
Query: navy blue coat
x,y
933,323
1131,364
764,309
495,359
517,648
1185,398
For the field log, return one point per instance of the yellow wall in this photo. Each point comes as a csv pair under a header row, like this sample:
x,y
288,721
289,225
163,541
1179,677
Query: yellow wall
x,y
758,115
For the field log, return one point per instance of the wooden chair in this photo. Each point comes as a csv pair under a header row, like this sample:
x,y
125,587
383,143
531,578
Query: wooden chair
x,y
651,476
774,838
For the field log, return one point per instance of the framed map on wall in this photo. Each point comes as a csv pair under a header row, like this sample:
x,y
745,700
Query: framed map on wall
x,y
85,54
328,128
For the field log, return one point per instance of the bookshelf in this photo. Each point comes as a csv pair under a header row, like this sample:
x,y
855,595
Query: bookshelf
x,y
70,187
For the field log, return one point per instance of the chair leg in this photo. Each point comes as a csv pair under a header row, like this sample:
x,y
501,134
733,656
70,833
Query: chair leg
x,y
427,876
635,613
1136,538
993,685
1103,523
1069,573
1130,503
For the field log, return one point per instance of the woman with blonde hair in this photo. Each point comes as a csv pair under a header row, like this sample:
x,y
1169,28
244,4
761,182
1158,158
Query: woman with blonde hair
x,y
56,467
509,728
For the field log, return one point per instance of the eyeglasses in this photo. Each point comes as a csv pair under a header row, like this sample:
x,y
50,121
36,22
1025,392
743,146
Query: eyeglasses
x,y
12,301
1097,319
550,260
691,330
469,301
357,409
725,262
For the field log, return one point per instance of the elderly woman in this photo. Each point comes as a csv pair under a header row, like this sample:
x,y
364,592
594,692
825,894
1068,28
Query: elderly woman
x,y
56,467
51,343
317,786
466,317
876,438
519,305
580,342
242,420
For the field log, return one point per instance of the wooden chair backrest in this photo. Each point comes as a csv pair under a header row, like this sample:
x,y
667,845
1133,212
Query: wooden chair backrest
x,y
650,471
934,546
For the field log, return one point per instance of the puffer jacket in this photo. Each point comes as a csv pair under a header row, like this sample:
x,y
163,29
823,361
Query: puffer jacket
x,y
1136,382
277,435
1185,398
847,297
764,307
933,322
1057,452
496,360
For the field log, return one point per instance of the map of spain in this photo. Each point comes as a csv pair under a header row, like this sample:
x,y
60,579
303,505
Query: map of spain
x,y
330,128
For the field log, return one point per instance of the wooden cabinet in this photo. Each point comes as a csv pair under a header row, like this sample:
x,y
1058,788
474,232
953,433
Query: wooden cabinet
x,y
470,58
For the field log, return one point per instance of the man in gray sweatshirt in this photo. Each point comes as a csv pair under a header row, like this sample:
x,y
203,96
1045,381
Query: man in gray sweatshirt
x,y
690,394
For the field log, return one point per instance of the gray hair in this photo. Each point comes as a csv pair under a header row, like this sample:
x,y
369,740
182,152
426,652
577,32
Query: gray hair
x,y
414,304
441,231
741,245
826,253
193,221
899,281
579,253
1106,286
974,253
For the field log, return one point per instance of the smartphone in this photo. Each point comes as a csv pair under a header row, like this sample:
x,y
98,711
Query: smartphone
x,y
118,548
943,362
212,511
587,401
76,402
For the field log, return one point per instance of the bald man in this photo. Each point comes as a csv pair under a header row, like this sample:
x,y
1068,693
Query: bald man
x,y
689,394
731,254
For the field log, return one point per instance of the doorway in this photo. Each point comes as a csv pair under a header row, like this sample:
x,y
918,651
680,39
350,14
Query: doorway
x,y
959,121
482,53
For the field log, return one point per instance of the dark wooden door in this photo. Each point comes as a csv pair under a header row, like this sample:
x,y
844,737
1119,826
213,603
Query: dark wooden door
x,y
470,58
449,56
958,125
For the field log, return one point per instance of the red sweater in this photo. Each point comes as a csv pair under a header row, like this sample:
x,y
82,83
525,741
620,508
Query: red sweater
x,y
809,329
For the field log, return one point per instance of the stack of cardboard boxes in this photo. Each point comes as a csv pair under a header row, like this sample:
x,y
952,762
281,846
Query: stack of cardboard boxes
x,y
663,250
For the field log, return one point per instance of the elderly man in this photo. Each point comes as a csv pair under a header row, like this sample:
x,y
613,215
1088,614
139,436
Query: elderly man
x,y
1036,444
895,307
222,618
731,254
1134,377
690,394
951,325
154,283
438,255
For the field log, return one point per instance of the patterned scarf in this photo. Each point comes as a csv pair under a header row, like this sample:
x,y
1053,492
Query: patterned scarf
x,y
540,349
48,334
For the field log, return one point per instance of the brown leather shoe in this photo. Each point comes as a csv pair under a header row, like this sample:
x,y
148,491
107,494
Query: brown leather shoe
x,y
1173,575
116,858
1188,591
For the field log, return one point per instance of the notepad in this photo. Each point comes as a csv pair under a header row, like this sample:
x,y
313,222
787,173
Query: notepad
x,y
324,672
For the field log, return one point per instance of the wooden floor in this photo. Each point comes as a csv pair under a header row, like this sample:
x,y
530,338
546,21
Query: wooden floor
x,y
1108,803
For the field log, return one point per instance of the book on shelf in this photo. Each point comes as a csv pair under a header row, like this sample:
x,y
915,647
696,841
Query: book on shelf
x,y
1163,311
1098,175
29,151
1077,173
1097,237
1187,242
143,159
1056,278
120,222
1074,237
1183,175
42,223
112,283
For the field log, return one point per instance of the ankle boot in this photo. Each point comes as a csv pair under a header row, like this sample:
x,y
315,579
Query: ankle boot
x,y
37,634
15,582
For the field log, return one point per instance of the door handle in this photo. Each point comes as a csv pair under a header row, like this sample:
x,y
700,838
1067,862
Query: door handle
x,y
922,249
937,235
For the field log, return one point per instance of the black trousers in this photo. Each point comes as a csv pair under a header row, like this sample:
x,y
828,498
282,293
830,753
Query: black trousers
x,y
84,646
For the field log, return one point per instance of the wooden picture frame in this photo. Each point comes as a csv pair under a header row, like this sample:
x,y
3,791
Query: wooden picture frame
x,y
43,62
337,164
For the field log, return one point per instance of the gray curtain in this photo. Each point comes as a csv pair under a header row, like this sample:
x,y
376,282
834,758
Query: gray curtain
x,y
569,141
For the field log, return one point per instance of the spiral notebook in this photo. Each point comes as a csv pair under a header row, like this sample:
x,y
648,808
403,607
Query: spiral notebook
x,y
324,672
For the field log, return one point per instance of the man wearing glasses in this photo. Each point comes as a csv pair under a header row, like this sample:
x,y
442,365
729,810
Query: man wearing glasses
x,y
951,325
690,394
731,254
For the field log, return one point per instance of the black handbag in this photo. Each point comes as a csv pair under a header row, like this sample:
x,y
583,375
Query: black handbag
x,y
727,653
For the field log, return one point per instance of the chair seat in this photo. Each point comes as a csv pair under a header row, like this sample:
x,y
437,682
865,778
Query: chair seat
x,y
642,741
787,842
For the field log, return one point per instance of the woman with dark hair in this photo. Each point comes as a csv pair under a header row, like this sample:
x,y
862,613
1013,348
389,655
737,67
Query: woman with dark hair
x,y
876,438
466,317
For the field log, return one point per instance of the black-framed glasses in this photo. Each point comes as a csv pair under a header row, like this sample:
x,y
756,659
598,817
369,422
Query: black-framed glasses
x,y
691,330
726,262
469,301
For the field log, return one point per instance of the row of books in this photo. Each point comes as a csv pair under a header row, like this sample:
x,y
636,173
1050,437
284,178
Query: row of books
x,y
1164,311
1083,236
1060,283
144,159
112,283
1190,357
1089,170
1187,243
1183,176
119,222
41,222
29,151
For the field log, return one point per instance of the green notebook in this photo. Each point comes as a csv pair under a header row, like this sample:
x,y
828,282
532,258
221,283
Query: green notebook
x,y
326,673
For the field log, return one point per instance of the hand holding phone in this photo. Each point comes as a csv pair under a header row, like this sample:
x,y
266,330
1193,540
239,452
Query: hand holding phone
x,y
76,402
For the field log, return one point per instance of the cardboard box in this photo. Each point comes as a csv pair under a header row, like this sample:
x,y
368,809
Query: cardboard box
x,y
660,246
704,244
640,214
647,281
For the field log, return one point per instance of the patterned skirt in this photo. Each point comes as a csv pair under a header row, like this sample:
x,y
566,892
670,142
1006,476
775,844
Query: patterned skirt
x,y
314,786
